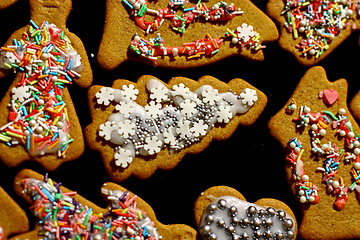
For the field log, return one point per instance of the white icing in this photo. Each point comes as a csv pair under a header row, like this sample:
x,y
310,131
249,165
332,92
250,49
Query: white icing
x,y
173,118
210,227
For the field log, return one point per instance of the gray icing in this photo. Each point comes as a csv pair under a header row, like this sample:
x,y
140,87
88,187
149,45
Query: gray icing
x,y
229,218
173,118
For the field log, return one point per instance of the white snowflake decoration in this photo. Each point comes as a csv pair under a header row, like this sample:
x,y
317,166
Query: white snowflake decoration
x,y
187,107
21,93
183,129
180,90
152,145
105,96
123,158
159,94
199,128
248,96
126,128
153,109
126,108
245,32
106,129
169,137
129,92
224,114
210,95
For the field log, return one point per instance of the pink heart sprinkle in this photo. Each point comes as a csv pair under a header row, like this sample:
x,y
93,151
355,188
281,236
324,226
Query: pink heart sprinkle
x,y
330,96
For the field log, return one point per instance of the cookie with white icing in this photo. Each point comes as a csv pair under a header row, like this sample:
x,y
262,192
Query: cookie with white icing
x,y
39,121
311,30
61,212
180,34
140,127
222,212
321,141
13,219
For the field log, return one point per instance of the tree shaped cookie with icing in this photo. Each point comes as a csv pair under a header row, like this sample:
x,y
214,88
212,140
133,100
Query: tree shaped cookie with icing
x,y
179,34
321,141
222,212
311,30
62,213
39,121
13,219
140,127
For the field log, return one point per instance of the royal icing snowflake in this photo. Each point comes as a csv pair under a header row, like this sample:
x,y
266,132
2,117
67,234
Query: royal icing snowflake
x,y
245,32
248,96
105,96
123,157
21,93
174,118
129,92
106,129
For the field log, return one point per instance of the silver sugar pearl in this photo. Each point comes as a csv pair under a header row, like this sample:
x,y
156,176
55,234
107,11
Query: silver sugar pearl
x,y
222,204
279,236
211,208
209,219
244,222
205,230
251,211
235,237
256,223
268,223
257,234
290,234
233,211
245,236
271,211
230,229
281,214
288,224
268,234
220,222
235,221
212,236
261,212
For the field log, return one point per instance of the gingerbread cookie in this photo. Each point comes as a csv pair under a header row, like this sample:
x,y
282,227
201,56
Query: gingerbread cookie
x,y
63,213
311,30
355,106
6,3
13,219
140,127
179,34
39,121
321,140
223,213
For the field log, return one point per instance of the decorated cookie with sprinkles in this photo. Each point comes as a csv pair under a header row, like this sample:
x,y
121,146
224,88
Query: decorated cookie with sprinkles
x,y
140,127
355,106
13,219
222,213
321,142
64,214
38,119
311,30
181,33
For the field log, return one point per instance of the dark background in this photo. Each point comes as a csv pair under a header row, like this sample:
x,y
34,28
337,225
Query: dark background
x,y
251,161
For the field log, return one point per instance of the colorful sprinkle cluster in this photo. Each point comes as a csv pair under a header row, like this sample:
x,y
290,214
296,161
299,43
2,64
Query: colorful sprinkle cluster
x,y
38,116
317,22
220,11
244,37
61,217
320,123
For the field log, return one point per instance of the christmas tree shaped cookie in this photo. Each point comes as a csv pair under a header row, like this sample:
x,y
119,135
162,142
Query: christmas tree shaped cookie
x,y
321,142
140,127
311,30
62,213
180,34
39,121
13,219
